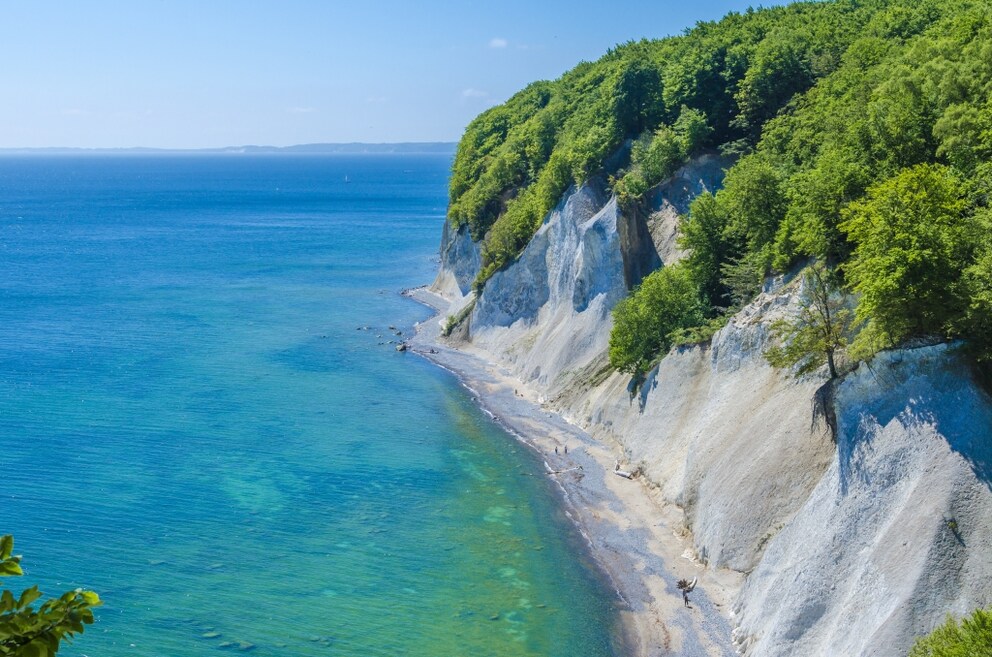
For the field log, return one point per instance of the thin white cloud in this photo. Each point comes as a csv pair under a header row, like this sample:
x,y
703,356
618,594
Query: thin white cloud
x,y
302,110
474,93
497,42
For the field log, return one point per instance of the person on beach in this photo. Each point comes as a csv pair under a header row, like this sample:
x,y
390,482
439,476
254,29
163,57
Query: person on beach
x,y
686,587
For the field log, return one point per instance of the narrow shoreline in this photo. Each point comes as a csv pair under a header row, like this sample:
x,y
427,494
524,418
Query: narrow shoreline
x,y
638,542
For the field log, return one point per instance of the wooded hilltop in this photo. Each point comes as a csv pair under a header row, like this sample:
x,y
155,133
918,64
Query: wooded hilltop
x,y
861,136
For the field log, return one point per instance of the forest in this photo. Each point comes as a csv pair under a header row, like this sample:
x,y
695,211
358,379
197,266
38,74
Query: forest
x,y
860,133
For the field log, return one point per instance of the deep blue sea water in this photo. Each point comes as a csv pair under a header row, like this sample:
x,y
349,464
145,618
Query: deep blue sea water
x,y
192,426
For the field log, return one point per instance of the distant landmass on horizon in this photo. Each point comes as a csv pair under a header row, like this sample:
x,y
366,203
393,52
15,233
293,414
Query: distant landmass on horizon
x,y
351,148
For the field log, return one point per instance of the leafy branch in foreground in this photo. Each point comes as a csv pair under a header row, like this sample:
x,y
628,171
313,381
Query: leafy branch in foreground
x,y
29,632
819,331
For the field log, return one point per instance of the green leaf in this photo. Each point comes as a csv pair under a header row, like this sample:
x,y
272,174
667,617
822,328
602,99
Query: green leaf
x,y
28,596
91,598
6,546
10,568
7,602
36,648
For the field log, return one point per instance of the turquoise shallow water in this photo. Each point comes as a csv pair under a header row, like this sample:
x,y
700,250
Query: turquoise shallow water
x,y
191,425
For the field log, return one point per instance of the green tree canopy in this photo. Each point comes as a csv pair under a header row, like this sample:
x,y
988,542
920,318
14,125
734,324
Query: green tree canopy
x,y
703,235
850,126
977,280
912,242
643,323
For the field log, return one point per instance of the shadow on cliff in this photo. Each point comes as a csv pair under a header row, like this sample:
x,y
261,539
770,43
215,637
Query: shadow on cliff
x,y
946,406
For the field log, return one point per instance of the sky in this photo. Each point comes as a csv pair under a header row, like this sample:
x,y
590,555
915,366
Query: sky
x,y
212,73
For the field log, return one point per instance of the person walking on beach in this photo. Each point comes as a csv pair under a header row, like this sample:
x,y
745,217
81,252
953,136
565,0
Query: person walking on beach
x,y
686,587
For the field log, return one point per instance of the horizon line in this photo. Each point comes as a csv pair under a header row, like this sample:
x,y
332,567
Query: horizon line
x,y
351,147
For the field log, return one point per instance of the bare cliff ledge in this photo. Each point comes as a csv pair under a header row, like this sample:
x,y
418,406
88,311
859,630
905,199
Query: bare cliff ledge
x,y
850,545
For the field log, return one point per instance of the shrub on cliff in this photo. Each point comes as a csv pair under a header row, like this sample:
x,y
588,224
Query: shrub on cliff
x,y
644,323
972,637
655,156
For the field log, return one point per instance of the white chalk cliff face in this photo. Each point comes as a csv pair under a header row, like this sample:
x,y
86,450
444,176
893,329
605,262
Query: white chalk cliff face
x,y
850,548
544,314
460,262
896,533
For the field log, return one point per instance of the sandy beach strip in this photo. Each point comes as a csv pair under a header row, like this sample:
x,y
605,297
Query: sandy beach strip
x,y
636,539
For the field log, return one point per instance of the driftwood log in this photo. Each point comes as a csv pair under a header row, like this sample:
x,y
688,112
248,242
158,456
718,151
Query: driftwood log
x,y
552,471
626,474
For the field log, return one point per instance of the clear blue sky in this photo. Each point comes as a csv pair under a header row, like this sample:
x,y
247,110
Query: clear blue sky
x,y
203,73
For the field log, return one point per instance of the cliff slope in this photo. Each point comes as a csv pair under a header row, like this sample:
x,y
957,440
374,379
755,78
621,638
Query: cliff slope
x,y
850,545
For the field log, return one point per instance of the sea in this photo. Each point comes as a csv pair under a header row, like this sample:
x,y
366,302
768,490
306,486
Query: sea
x,y
204,419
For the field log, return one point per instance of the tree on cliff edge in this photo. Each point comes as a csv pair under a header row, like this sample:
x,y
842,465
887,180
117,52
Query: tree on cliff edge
x,y
818,332
913,240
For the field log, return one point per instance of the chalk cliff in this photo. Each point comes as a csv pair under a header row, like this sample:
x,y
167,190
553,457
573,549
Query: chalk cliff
x,y
853,543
